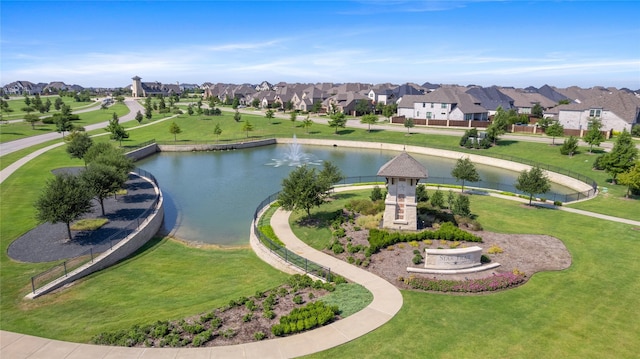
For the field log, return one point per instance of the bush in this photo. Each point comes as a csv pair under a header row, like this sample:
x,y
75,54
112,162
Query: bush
x,y
417,259
337,248
635,130
298,299
494,249
376,194
570,146
259,336
493,283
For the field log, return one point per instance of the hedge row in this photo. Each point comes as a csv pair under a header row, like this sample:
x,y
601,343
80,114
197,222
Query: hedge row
x,y
308,317
379,238
493,283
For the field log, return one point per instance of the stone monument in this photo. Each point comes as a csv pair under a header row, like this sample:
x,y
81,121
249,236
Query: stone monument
x,y
402,174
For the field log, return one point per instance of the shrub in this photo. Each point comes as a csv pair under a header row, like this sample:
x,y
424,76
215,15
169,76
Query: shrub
x,y
557,203
340,233
350,260
247,317
337,248
414,244
269,314
376,194
494,249
298,299
493,283
417,259
259,336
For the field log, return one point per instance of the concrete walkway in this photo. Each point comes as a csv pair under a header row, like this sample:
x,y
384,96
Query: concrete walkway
x,y
387,301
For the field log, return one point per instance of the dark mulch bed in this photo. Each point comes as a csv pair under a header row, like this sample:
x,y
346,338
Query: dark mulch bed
x,y
49,242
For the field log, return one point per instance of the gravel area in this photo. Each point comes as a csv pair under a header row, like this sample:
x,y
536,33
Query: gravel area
x,y
49,242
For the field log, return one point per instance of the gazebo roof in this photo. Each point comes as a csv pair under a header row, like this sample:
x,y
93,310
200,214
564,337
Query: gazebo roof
x,y
403,166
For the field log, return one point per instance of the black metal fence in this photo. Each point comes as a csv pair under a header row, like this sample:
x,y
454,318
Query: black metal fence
x,y
303,263
64,268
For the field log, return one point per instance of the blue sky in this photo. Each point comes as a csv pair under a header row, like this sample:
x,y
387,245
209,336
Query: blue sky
x,y
506,43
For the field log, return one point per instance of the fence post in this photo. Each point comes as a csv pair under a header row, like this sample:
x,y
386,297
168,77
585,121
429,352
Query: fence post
x,y
65,268
33,286
91,251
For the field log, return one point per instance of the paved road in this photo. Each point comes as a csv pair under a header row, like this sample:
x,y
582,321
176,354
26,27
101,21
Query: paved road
x,y
12,146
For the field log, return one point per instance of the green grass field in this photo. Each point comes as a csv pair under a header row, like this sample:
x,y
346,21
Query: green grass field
x,y
588,310
16,104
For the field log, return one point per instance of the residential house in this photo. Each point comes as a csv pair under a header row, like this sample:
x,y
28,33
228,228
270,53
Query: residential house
x,y
524,100
344,102
264,86
445,103
491,98
145,89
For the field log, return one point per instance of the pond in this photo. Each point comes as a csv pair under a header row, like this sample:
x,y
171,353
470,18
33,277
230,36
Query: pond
x,y
210,197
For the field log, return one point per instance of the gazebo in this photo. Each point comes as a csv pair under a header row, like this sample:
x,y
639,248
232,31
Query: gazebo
x,y
402,174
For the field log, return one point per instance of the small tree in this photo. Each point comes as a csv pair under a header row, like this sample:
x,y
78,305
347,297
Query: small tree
x,y
421,193
389,110
78,143
338,119
174,129
533,182
293,116
63,124
217,131
437,199
465,170
369,119
57,103
306,123
316,107
593,136
269,114
247,127
255,103
32,119
63,199
555,130
570,146
376,194
631,178
190,110
329,175
537,111
408,123
622,157
498,125
450,199
139,117
117,131
107,154
236,116
462,206
544,122
288,106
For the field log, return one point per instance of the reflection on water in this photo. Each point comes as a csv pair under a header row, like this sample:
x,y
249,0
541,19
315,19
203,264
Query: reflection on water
x,y
211,196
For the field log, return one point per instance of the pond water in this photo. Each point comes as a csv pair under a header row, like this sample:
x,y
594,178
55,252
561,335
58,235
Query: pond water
x,y
210,197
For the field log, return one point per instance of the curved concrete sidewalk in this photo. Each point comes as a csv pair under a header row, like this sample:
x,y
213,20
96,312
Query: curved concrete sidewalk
x,y
387,301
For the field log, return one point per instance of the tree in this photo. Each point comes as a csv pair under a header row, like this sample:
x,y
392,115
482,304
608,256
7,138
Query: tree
x,y
408,123
336,120
148,109
217,131
27,100
544,122
465,170
593,135
537,111
32,119
247,127
63,199
306,123
329,175
47,105
57,104
631,178
63,124
117,130
101,180
288,106
363,107
570,146
235,103
269,114
78,143
301,190
236,116
437,199
369,119
174,129
255,103
190,110
450,199
376,194
622,157
293,118
421,193
555,130
635,130
498,125
533,182
389,110
139,117
462,206
316,107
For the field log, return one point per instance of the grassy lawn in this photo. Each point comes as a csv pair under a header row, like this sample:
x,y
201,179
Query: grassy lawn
x,y
587,311
17,103
15,131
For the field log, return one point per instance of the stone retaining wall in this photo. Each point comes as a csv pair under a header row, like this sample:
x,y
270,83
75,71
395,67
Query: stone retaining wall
x,y
120,251
216,147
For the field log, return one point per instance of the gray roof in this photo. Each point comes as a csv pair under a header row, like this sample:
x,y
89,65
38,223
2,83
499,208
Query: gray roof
x,y
490,98
404,166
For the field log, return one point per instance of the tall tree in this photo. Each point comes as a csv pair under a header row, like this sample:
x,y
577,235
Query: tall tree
x,y
533,182
336,120
148,108
555,130
631,178
593,136
174,129
369,119
78,143
217,131
622,157
101,180
465,170
63,199
117,130
409,124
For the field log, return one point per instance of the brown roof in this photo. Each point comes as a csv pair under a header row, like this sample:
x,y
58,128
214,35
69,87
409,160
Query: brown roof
x,y
403,165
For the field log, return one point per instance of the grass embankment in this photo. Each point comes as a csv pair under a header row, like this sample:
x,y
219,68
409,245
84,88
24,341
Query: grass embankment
x,y
16,104
587,310
18,130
